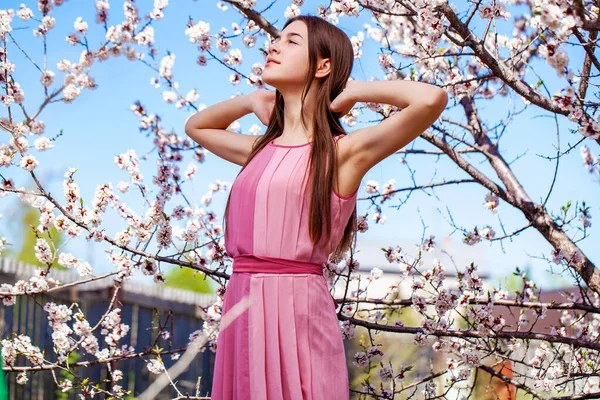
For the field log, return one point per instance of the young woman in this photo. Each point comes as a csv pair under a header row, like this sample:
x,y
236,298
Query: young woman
x,y
293,205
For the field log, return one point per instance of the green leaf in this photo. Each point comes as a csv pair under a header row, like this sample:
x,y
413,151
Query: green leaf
x,y
30,218
188,279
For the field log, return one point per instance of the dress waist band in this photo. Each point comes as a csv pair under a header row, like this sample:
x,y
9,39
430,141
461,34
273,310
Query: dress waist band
x,y
274,265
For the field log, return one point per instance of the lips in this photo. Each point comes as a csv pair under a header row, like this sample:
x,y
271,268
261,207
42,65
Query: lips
x,y
270,60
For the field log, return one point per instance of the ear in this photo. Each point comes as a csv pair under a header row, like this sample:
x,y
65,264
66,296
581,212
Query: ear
x,y
323,68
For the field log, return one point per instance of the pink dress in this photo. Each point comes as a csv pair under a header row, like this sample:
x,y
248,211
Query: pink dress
x,y
283,340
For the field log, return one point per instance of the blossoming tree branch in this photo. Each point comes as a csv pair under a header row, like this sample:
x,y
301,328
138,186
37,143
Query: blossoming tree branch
x,y
463,49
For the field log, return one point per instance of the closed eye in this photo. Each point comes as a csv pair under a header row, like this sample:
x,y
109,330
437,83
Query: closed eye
x,y
274,40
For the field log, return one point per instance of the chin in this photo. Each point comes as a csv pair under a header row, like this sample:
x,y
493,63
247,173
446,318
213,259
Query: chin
x,y
287,84
270,81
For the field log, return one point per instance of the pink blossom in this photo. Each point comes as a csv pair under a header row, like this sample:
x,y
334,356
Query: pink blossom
x,y
65,385
360,359
43,251
47,78
155,366
24,13
29,163
22,378
419,339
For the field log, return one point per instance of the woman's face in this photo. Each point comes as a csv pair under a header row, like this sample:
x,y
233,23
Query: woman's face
x,y
290,53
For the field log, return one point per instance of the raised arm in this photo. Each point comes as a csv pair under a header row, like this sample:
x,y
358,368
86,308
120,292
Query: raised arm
x,y
208,129
421,105
220,115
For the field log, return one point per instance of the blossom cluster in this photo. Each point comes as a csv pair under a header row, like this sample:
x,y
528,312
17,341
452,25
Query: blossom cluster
x,y
38,283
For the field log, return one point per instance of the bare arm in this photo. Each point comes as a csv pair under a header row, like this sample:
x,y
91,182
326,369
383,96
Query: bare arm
x,y
220,115
399,93
421,105
208,129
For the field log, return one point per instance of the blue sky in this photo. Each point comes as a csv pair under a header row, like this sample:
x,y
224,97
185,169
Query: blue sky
x,y
100,125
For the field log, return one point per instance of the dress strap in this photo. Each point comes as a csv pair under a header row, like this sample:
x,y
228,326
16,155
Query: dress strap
x,y
338,137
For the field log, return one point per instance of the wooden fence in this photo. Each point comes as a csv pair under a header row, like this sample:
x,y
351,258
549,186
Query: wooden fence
x,y
142,307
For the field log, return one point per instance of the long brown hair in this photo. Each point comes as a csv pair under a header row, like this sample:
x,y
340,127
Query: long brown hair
x,y
326,41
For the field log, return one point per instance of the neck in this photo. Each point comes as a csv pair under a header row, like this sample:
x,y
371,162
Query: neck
x,y
293,129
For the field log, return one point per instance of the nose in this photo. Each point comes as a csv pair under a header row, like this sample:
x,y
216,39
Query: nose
x,y
272,47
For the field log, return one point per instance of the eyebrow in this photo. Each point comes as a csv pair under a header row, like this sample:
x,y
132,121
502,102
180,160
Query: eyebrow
x,y
278,36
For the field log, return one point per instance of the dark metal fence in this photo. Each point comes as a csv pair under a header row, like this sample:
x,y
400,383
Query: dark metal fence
x,y
143,307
